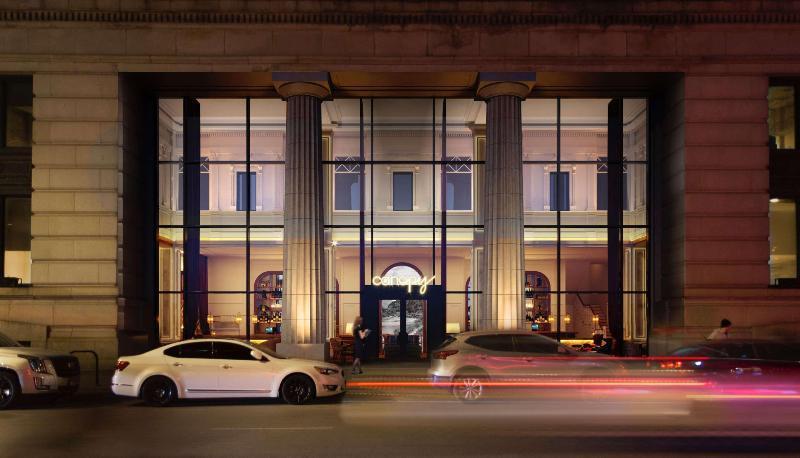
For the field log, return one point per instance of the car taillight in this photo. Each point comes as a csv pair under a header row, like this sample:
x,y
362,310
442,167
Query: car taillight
x,y
121,365
444,354
671,364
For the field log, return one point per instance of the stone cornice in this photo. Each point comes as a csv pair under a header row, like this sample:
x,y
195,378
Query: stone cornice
x,y
500,19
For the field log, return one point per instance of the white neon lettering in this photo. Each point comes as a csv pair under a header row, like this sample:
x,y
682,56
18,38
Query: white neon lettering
x,y
408,282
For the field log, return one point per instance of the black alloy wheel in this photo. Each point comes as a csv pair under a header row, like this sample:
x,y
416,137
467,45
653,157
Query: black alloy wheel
x,y
297,389
159,391
9,389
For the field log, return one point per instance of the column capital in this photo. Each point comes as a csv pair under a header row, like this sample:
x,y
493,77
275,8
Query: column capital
x,y
290,84
517,84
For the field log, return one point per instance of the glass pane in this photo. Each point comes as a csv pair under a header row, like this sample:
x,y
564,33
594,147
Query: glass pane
x,y
223,127
782,240
402,129
170,259
222,259
584,129
268,194
170,129
781,119
19,112
634,265
634,129
635,195
635,315
403,246
415,324
584,258
348,307
458,191
170,194
225,314
267,129
539,129
170,317
584,315
18,238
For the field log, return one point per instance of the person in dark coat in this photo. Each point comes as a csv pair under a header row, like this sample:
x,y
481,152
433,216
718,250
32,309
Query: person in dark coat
x,y
359,342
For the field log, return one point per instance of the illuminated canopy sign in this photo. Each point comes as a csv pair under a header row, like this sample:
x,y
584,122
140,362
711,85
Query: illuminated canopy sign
x,y
404,280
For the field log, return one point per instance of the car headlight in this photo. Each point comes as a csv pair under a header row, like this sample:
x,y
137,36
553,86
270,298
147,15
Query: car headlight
x,y
39,365
327,370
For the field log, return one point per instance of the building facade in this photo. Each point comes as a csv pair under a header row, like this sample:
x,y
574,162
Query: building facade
x,y
271,171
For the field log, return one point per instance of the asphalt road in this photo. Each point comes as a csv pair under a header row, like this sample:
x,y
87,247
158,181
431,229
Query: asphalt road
x,y
397,422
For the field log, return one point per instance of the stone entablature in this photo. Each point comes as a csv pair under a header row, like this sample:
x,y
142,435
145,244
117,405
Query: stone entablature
x,y
403,13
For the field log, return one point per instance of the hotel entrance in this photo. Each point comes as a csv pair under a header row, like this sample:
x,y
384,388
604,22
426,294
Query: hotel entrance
x,y
405,325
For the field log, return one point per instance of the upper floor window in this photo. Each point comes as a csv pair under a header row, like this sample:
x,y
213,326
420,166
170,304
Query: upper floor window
x,y
16,113
347,183
459,183
781,120
559,191
241,191
403,191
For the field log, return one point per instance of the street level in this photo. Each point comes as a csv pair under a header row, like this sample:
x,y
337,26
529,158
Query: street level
x,y
401,421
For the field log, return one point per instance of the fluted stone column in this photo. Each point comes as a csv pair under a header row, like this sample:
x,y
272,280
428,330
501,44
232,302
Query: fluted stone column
x,y
504,301
304,325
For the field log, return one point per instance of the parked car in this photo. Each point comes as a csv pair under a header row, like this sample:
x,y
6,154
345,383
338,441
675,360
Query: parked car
x,y
471,361
222,368
739,360
34,371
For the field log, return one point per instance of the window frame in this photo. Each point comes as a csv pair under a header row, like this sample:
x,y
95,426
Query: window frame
x,y
786,161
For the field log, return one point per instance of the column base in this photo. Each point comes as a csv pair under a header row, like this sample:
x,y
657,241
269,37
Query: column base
x,y
318,352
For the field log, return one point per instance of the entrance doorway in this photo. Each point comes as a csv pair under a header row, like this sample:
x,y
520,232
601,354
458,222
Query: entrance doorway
x,y
406,325
403,328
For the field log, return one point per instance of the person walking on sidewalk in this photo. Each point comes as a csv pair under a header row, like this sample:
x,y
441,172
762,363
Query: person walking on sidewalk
x,y
722,331
359,340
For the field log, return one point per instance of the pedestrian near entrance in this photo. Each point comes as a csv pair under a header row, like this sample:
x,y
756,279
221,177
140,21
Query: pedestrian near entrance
x,y
722,331
359,340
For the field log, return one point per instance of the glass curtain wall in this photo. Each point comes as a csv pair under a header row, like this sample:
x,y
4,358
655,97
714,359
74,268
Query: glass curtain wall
x,y
400,183
567,189
220,214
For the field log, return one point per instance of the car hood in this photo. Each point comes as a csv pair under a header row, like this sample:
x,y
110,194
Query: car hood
x,y
31,351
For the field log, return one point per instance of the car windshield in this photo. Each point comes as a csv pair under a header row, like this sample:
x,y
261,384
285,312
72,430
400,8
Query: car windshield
x,y
6,341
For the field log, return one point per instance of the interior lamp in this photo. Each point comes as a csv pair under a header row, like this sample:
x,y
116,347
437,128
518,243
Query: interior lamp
x,y
453,328
348,328
567,318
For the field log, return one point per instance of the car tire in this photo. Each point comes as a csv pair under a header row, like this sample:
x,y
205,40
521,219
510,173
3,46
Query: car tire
x,y
297,389
159,391
468,387
9,389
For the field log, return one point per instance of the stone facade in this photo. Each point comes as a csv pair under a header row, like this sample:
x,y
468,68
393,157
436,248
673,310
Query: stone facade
x,y
712,239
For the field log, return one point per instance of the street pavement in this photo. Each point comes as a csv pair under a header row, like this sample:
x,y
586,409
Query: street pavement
x,y
381,418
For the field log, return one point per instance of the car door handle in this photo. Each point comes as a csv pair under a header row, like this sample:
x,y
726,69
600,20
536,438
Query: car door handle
x,y
227,366
177,364
747,370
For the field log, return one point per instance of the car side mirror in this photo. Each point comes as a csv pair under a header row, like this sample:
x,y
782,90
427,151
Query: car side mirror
x,y
259,356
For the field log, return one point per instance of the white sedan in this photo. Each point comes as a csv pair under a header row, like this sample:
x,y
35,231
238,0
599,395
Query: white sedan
x,y
222,368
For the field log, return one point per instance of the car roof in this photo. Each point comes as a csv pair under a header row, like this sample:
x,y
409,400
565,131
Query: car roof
x,y
209,339
521,332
